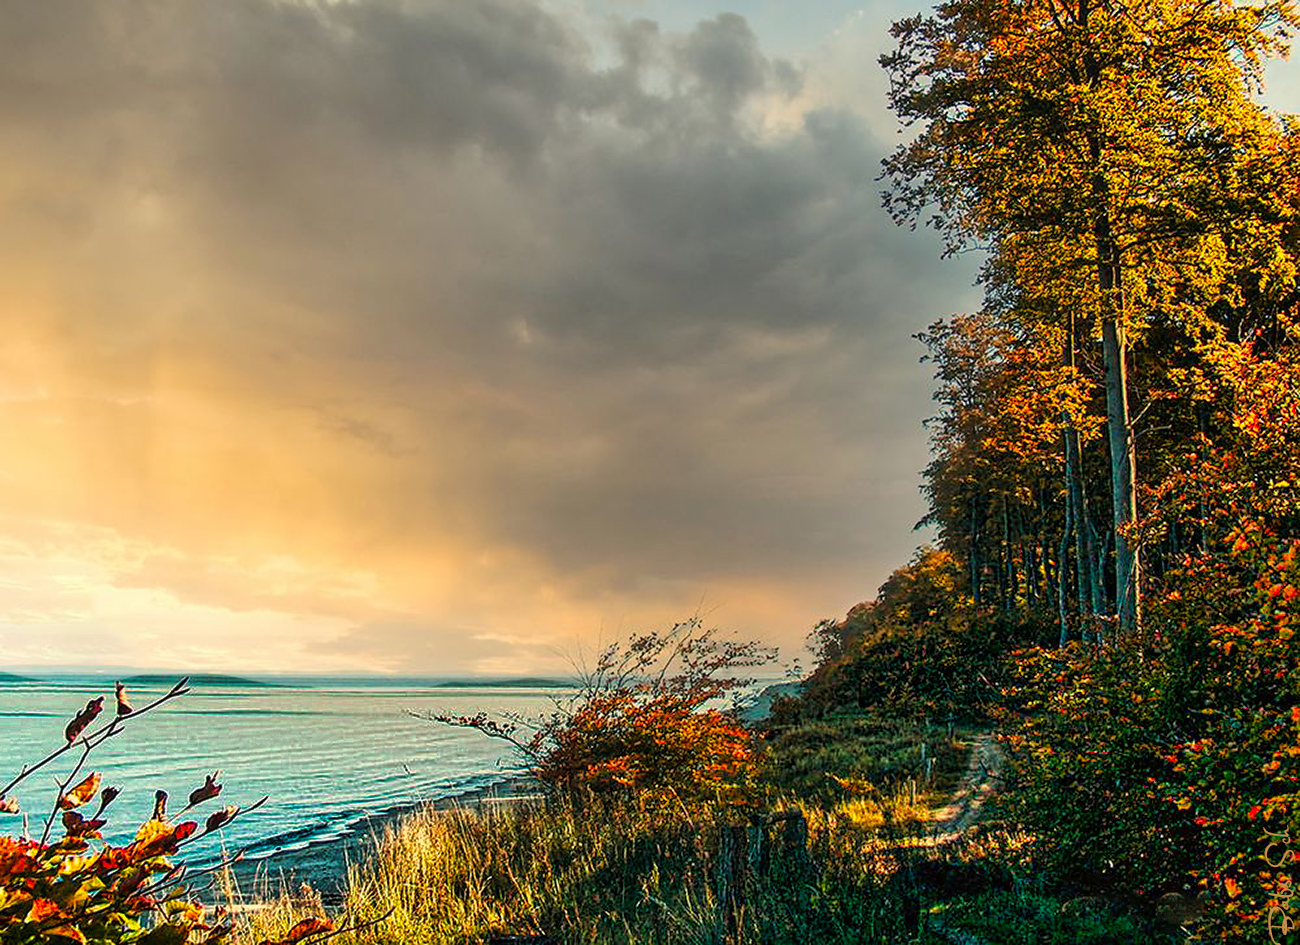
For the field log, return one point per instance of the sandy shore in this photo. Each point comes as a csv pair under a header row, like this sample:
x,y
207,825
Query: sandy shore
x,y
324,865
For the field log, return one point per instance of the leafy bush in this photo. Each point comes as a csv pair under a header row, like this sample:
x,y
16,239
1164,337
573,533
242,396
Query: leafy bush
x,y
1164,763
78,888
647,716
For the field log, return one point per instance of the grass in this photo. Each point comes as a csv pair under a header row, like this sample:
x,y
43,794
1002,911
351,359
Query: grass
x,y
815,759
614,873
825,857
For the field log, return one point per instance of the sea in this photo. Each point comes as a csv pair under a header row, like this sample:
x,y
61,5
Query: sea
x,y
333,756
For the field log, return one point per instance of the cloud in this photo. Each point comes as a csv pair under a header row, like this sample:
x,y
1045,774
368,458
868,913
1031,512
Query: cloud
x,y
487,317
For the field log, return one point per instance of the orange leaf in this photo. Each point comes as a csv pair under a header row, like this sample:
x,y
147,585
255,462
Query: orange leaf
x,y
43,909
82,793
1234,890
69,932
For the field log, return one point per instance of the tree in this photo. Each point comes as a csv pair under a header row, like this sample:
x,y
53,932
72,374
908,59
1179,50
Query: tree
x,y
1093,141
1003,394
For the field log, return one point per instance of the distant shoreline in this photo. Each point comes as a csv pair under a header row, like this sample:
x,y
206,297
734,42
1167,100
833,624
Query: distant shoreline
x,y
526,683
199,679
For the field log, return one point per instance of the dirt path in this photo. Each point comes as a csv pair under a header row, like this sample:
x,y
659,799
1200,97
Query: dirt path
x,y
984,776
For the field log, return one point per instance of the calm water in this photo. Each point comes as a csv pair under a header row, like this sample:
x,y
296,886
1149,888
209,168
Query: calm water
x,y
329,754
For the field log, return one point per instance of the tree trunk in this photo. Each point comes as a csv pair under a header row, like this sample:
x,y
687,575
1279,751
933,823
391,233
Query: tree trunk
x,y
1077,498
1009,560
1089,594
1062,561
1044,544
1123,466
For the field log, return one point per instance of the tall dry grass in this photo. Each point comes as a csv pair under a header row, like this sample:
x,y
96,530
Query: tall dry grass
x,y
630,872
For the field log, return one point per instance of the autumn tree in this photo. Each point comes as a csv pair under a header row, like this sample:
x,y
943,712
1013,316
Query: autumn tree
x,y
1096,143
1002,393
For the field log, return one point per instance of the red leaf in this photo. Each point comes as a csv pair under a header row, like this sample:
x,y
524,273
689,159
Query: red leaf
x,y
74,825
209,790
83,718
220,818
303,929
123,704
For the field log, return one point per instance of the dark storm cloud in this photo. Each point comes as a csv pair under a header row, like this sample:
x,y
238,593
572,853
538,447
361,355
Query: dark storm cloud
x,y
582,295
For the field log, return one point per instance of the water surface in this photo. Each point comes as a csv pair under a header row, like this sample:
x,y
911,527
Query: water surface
x,y
330,753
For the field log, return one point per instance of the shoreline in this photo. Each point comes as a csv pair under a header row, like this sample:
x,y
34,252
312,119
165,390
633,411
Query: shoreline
x,y
324,866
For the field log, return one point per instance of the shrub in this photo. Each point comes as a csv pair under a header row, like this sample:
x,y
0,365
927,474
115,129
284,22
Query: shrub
x,y
647,716
1166,762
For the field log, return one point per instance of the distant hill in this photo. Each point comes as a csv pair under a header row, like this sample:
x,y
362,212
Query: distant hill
x,y
523,683
199,679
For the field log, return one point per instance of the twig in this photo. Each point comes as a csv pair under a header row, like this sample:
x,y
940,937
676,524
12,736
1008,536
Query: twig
x,y
355,928
96,736
67,782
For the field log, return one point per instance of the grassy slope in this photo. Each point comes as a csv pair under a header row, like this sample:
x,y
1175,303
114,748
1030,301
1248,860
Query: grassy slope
x,y
631,873
635,873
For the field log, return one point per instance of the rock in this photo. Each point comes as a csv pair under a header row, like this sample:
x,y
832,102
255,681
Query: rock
x,y
1174,909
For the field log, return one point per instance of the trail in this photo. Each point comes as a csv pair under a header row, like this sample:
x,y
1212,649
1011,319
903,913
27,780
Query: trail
x,y
982,778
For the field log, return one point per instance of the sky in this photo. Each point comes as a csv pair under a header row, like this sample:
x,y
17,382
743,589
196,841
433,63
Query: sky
x,y
445,337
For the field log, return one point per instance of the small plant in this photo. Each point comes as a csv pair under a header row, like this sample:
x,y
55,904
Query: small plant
x,y
647,716
79,888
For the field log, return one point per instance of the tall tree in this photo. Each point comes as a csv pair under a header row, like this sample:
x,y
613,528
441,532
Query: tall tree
x,y
1091,134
